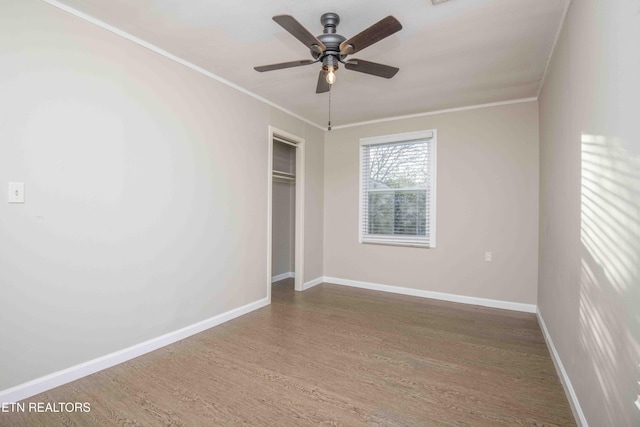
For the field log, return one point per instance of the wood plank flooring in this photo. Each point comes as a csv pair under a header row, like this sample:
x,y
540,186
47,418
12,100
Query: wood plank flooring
x,y
332,356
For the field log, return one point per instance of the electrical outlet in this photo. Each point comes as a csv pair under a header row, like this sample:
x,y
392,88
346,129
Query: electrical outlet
x,y
16,192
488,257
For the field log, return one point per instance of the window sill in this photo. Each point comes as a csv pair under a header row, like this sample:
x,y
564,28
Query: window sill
x,y
385,242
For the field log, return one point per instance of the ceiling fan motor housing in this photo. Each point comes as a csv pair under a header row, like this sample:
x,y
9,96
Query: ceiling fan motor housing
x,y
331,40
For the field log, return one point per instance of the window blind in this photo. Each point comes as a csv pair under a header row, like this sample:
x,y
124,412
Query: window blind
x,y
397,181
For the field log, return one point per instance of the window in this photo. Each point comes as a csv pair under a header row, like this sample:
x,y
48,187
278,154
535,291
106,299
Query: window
x,y
398,189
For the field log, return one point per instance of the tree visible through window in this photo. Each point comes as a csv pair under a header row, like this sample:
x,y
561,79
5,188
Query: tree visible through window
x,y
396,184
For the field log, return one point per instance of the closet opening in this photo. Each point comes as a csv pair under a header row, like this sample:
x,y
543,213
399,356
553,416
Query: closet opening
x,y
286,196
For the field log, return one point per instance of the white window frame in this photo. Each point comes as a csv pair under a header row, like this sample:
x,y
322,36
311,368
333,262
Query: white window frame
x,y
413,241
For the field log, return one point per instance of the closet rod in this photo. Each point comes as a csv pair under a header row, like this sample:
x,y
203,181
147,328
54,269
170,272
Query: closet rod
x,y
283,178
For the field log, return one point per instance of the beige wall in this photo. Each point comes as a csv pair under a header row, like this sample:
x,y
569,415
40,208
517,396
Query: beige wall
x,y
146,193
487,200
589,284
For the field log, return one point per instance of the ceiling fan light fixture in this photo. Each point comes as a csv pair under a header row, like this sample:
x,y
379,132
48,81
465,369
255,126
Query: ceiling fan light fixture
x,y
330,64
331,76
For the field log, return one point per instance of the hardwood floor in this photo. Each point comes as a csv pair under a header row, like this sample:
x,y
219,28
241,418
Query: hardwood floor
x,y
332,355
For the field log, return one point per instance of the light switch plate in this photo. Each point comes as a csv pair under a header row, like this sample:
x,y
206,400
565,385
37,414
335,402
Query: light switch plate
x,y
16,192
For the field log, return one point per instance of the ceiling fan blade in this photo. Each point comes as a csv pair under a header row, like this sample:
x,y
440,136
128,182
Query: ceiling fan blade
x,y
282,65
323,86
296,29
373,68
378,31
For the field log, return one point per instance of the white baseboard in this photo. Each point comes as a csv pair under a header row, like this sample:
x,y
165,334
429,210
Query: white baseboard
x,y
312,283
56,379
287,275
562,373
507,305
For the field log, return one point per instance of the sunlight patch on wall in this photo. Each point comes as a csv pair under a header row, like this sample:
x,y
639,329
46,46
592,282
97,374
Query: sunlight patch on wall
x,y
610,281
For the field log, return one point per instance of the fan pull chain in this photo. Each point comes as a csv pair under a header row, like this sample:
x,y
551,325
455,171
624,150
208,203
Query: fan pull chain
x,y
329,122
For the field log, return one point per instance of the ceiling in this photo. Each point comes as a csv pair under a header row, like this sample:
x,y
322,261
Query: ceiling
x,y
456,54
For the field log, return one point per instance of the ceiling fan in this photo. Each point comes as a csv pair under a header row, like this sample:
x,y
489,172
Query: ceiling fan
x,y
332,49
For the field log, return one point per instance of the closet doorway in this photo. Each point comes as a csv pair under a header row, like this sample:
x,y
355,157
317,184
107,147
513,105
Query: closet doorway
x,y
285,208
